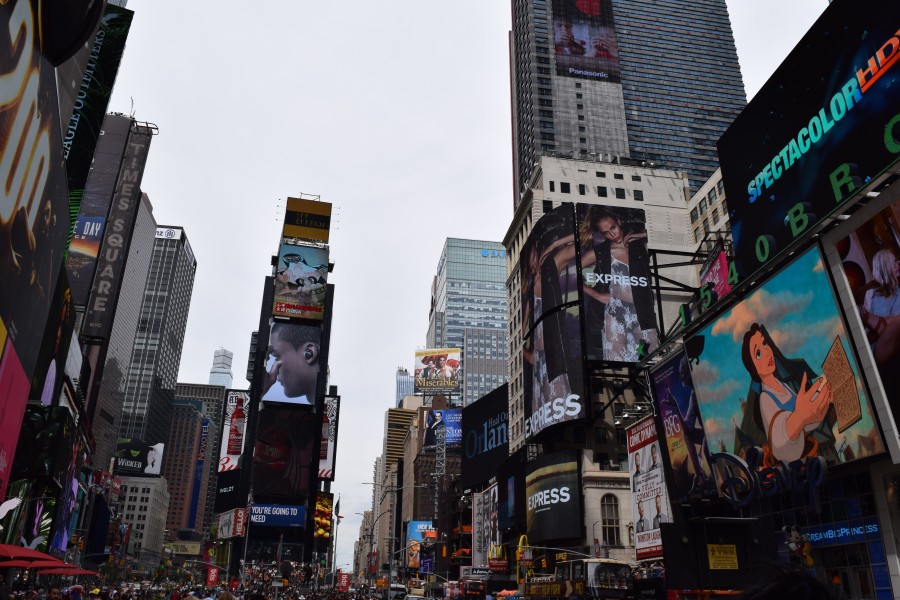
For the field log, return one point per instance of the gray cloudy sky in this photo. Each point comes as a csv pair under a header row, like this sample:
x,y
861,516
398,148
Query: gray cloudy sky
x,y
397,113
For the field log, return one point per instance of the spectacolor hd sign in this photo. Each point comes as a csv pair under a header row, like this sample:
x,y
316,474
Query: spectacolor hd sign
x,y
824,125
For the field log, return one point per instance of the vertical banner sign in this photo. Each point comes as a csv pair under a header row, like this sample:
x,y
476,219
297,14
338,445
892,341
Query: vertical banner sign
x,y
329,437
83,252
479,554
237,411
198,473
212,576
117,238
715,272
650,503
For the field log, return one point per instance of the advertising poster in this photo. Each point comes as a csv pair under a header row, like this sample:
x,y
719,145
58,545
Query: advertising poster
x,y
584,40
682,433
277,515
617,298
650,502
283,454
553,498
82,259
198,473
227,490
307,220
231,523
137,457
437,371
485,436
450,420
479,543
324,516
553,373
34,205
416,531
301,277
715,272
870,258
292,363
822,126
777,372
49,370
329,437
237,411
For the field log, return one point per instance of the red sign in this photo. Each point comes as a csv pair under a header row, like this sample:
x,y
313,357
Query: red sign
x,y
212,576
343,582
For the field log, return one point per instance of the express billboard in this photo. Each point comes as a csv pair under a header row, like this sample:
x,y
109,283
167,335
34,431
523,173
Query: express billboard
x,y
823,126
34,207
292,363
869,259
415,533
553,497
485,436
283,457
650,502
437,371
234,425
684,438
617,298
432,420
300,282
776,373
137,457
584,40
307,220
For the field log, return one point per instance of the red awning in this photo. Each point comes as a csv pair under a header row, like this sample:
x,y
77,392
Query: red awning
x,y
69,570
10,551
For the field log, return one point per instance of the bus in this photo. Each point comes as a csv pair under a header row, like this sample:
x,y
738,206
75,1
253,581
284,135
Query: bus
x,y
584,578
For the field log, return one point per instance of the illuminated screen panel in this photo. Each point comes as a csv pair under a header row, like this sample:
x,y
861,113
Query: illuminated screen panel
x,y
584,40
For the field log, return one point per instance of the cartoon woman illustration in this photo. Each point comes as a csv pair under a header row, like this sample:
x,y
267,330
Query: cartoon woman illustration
x,y
787,400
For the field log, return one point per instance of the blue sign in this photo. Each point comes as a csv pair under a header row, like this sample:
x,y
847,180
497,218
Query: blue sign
x,y
833,534
493,253
278,515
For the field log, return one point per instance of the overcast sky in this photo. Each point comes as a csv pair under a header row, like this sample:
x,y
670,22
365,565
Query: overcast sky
x,y
397,113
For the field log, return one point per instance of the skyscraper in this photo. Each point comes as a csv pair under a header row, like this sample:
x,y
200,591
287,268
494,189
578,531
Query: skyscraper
x,y
153,370
468,311
658,82
180,465
405,385
220,373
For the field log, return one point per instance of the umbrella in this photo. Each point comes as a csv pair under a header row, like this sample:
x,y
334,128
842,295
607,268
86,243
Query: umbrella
x,y
10,551
8,564
46,564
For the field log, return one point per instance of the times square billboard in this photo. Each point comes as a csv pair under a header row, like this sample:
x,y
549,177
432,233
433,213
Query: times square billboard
x,y
822,128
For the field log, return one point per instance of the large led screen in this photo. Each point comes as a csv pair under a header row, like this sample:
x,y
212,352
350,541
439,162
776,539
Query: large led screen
x,y
777,372
283,454
450,420
307,220
437,371
682,434
137,457
328,450
553,498
870,258
485,531
822,127
584,40
292,363
34,207
49,370
83,252
485,436
649,500
617,299
301,277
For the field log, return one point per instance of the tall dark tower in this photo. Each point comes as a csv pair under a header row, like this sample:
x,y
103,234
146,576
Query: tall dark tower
x,y
658,82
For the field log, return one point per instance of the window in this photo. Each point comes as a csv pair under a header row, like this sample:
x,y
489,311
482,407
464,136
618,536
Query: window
x,y
635,177
582,140
579,106
547,206
581,117
601,191
601,437
609,516
601,174
618,176
552,186
564,187
702,205
578,86
712,196
620,193
578,96
582,189
639,195
582,129
694,215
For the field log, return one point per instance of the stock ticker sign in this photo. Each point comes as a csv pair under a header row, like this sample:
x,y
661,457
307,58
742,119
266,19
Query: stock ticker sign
x,y
824,126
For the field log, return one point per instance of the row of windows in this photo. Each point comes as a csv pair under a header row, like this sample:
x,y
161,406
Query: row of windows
x,y
602,192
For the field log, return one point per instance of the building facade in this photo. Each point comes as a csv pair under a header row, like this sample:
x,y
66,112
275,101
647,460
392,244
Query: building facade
x,y
155,358
659,85
179,468
145,504
405,386
468,311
